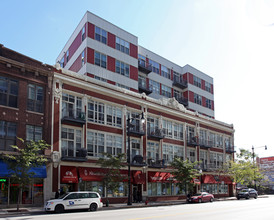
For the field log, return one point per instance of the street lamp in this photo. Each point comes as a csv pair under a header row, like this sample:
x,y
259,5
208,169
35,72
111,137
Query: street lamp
x,y
253,156
129,119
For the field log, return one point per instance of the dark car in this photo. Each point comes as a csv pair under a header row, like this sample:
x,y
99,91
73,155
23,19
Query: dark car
x,y
201,197
247,193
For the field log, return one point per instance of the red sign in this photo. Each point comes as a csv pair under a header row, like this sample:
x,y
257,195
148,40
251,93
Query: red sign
x,y
159,177
97,174
139,177
69,174
216,179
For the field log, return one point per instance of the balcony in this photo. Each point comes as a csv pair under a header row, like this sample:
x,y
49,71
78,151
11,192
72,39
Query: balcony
x,y
156,133
144,67
230,150
73,117
80,156
204,143
182,100
182,84
192,141
136,131
156,163
144,89
138,161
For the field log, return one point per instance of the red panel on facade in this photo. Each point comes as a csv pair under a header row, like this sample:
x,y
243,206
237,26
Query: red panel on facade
x,y
191,96
133,50
185,94
212,105
111,64
90,75
203,101
75,44
111,40
211,88
77,65
185,77
69,174
91,30
111,82
171,73
133,73
90,55
203,84
190,78
139,177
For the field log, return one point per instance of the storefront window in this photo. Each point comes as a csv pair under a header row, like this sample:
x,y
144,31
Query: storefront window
x,y
159,189
4,191
215,188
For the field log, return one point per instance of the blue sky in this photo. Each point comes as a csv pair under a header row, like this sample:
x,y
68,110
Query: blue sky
x,y
230,40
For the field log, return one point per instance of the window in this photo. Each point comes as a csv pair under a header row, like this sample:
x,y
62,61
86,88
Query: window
x,y
7,135
208,103
190,133
142,60
197,99
100,35
212,139
100,59
179,151
203,159
197,81
122,86
71,106
166,91
122,68
71,142
35,98
172,151
165,72
67,55
152,125
114,116
207,86
135,148
176,77
114,144
177,94
100,78
219,141
8,92
96,112
34,133
155,66
216,160
173,130
95,144
142,81
62,62
83,58
83,33
122,45
191,155
153,152
167,126
155,86
203,137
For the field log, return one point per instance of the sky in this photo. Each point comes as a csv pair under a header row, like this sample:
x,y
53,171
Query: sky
x,y
229,40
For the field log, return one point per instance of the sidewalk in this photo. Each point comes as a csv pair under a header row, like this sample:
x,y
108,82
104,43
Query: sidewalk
x,y
40,210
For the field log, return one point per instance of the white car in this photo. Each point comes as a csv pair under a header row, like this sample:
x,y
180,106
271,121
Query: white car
x,y
75,200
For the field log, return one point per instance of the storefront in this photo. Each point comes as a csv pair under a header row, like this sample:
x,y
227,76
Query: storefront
x,y
216,184
32,193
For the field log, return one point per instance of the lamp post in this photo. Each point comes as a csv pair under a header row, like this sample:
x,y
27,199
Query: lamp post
x,y
253,156
129,119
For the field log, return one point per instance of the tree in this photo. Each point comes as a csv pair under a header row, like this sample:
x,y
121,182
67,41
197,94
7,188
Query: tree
x,y
27,156
184,173
112,175
243,171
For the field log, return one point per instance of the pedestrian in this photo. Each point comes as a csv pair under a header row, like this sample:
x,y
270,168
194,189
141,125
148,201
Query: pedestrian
x,y
134,195
139,196
57,194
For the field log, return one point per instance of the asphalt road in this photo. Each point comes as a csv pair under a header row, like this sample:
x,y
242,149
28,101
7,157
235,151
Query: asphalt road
x,y
259,209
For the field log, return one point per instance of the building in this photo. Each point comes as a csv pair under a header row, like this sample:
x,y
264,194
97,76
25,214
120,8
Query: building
x,y
105,52
267,167
25,106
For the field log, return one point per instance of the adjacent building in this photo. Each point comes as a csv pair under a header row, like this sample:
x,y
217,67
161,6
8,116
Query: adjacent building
x,y
25,112
267,168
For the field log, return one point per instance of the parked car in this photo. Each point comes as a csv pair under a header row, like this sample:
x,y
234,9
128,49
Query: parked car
x,y
75,200
247,193
201,197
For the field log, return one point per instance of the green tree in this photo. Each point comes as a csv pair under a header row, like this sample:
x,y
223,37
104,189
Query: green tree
x,y
27,155
112,175
244,171
184,173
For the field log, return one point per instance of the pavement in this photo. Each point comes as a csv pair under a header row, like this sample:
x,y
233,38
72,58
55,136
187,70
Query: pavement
x,y
5,212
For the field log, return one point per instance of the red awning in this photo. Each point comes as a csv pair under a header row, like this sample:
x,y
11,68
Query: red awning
x,y
139,177
69,174
196,181
96,174
159,177
216,179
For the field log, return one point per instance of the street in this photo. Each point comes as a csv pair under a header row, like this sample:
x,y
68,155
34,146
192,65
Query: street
x,y
261,208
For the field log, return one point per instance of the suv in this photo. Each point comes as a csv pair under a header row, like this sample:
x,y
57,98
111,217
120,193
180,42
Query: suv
x,y
247,193
75,200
